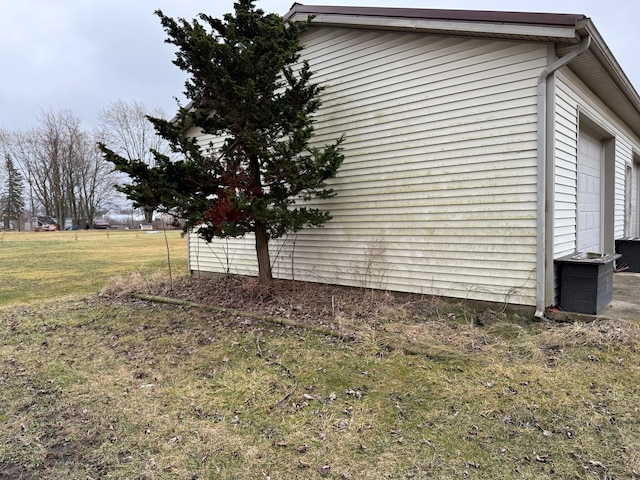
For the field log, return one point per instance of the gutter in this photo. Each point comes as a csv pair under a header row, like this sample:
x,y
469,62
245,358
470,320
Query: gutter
x,y
545,172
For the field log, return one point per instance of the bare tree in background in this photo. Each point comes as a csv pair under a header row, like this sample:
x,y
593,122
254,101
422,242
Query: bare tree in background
x,y
5,140
66,175
45,152
95,179
126,129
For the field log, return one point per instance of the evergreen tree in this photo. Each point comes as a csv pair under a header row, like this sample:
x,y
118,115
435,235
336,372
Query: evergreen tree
x,y
12,199
248,88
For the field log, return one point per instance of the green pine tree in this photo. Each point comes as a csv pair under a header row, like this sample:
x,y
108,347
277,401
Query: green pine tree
x,y
246,85
12,199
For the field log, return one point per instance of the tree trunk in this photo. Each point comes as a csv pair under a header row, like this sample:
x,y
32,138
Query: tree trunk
x,y
262,251
148,214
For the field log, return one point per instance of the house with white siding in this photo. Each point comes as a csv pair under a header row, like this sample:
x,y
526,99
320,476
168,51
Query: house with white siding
x,y
480,147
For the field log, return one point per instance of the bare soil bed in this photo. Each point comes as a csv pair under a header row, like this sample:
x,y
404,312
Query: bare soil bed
x,y
305,302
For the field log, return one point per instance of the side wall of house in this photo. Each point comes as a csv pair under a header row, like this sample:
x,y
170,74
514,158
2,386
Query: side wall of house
x,y
575,103
437,193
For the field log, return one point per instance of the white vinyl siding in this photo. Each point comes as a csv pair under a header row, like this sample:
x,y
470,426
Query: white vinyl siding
x,y
208,143
572,100
634,200
437,193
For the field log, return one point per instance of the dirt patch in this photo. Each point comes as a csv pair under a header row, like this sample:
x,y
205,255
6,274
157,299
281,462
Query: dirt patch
x,y
16,472
413,323
319,304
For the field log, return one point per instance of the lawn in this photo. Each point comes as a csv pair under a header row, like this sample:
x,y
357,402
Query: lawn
x,y
339,384
44,265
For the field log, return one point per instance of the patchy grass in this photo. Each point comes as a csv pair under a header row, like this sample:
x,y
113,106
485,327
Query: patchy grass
x,y
46,265
113,387
309,382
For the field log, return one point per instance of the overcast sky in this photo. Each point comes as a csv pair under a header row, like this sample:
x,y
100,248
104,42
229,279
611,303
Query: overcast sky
x,y
82,55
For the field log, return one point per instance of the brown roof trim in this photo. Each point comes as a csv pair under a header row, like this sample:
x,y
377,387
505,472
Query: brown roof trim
x,y
481,16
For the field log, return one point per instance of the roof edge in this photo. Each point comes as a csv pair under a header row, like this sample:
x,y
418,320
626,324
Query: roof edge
x,y
478,16
608,60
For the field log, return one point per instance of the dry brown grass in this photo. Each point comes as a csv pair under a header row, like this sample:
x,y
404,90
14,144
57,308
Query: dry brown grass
x,y
355,384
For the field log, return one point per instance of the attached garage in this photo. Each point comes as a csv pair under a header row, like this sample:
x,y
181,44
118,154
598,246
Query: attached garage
x,y
480,147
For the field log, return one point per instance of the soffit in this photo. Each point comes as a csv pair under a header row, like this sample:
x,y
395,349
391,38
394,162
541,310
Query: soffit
x,y
598,69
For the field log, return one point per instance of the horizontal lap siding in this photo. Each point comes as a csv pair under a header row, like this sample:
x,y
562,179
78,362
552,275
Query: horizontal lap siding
x,y
437,193
573,97
566,176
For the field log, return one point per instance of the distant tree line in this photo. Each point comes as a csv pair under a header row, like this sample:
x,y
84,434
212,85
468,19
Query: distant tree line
x,y
56,169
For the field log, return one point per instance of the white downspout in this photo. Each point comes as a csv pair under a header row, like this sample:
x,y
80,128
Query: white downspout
x,y
545,164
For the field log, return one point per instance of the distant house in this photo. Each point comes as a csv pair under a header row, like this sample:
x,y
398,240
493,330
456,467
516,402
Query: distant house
x,y
480,147
40,223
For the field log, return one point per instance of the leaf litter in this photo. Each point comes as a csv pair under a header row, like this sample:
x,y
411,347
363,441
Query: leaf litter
x,y
188,390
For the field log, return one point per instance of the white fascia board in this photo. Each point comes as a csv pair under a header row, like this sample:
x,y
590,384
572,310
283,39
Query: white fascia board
x,y
416,24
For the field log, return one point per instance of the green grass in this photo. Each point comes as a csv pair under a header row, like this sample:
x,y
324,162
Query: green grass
x,y
111,387
44,265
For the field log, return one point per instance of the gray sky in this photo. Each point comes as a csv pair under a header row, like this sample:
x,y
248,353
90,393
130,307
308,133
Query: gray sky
x,y
82,55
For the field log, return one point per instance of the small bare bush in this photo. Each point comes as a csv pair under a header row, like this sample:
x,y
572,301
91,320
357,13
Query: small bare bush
x,y
136,282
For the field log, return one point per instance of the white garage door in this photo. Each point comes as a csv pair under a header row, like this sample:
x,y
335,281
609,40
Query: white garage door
x,y
634,229
590,159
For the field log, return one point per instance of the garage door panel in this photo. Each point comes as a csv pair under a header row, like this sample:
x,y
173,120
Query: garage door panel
x,y
590,193
634,200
